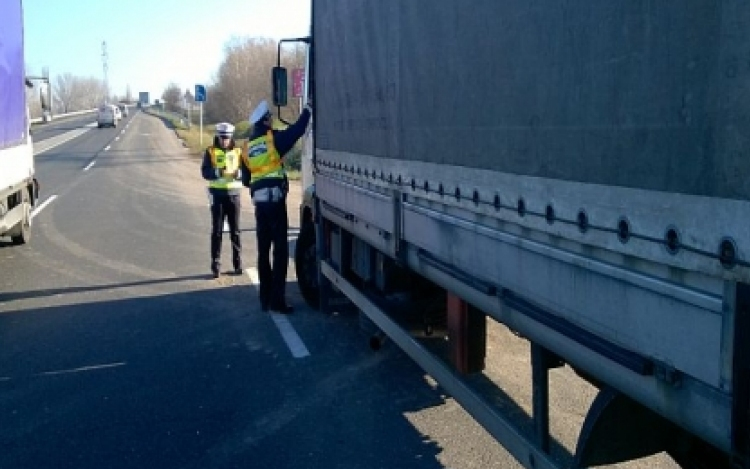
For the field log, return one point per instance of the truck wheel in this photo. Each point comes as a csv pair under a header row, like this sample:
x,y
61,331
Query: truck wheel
x,y
306,265
24,233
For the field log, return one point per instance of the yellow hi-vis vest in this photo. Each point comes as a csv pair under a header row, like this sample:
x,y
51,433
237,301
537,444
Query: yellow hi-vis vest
x,y
264,161
229,160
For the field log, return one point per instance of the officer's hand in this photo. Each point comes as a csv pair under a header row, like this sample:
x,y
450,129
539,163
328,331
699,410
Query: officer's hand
x,y
309,105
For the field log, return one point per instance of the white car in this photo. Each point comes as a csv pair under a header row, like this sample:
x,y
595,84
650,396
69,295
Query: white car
x,y
123,110
108,115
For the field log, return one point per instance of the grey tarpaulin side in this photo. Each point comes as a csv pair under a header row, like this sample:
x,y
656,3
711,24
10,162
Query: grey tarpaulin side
x,y
635,93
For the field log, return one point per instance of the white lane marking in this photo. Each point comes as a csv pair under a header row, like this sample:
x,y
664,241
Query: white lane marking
x,y
83,368
107,147
226,227
117,138
36,211
287,331
93,162
50,143
292,339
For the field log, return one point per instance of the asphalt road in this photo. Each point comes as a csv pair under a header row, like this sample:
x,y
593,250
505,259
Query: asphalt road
x,y
118,351
60,125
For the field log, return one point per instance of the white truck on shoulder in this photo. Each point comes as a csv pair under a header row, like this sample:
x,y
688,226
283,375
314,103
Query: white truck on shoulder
x,y
18,186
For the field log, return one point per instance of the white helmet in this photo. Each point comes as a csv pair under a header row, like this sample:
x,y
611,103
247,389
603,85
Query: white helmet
x,y
260,111
224,129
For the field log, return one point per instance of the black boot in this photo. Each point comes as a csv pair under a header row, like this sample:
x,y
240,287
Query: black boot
x,y
215,254
282,308
236,253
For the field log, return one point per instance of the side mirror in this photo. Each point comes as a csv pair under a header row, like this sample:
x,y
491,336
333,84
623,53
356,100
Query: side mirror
x,y
279,86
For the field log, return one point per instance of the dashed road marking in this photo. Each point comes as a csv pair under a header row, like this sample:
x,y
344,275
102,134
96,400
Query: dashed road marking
x,y
36,211
287,331
83,368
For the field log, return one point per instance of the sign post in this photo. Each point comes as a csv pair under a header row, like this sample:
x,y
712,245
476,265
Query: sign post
x,y
200,97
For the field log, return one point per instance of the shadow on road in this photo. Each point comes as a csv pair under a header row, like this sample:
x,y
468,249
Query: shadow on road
x,y
92,288
201,379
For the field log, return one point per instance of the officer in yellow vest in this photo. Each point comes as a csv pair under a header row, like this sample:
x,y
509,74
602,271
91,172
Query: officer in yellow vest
x,y
221,168
263,172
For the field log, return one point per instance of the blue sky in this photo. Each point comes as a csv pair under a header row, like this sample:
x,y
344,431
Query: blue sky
x,y
150,42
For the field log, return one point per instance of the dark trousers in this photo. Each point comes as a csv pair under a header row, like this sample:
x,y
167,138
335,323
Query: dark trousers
x,y
225,206
271,226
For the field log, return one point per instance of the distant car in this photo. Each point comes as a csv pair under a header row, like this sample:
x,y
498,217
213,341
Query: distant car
x,y
124,110
108,115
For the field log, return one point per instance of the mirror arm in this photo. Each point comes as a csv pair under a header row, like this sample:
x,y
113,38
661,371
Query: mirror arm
x,y
306,40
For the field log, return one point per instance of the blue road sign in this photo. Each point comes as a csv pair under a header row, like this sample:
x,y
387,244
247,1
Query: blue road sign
x,y
200,93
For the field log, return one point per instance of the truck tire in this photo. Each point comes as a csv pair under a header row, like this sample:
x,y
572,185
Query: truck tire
x,y
24,230
306,265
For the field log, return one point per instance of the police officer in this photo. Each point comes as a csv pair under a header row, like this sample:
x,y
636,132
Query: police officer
x,y
221,168
263,171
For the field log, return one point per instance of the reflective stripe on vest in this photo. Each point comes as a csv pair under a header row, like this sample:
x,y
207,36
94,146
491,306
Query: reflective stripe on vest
x,y
263,159
230,161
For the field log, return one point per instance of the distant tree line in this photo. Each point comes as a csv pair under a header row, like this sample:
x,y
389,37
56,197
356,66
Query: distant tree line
x,y
71,93
242,80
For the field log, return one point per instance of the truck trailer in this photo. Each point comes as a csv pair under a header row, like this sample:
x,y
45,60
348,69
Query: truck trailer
x,y
18,186
577,171
143,99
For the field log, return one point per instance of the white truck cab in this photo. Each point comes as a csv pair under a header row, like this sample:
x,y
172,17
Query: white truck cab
x,y
108,115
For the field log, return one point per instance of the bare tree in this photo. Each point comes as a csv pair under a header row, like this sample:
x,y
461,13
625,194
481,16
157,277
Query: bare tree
x,y
65,91
172,97
76,93
189,98
244,79
93,93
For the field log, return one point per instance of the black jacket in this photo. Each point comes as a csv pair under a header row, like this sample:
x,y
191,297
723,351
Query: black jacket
x,y
209,173
283,140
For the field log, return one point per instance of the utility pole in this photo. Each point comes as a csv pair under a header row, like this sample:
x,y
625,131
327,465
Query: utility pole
x,y
105,65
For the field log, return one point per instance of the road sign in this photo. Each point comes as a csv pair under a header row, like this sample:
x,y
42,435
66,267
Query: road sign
x,y
298,82
200,93
200,98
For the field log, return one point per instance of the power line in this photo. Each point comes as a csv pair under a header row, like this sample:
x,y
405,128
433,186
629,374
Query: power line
x,y
105,65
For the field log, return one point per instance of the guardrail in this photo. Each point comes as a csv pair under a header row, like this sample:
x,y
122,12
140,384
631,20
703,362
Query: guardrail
x,y
38,120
